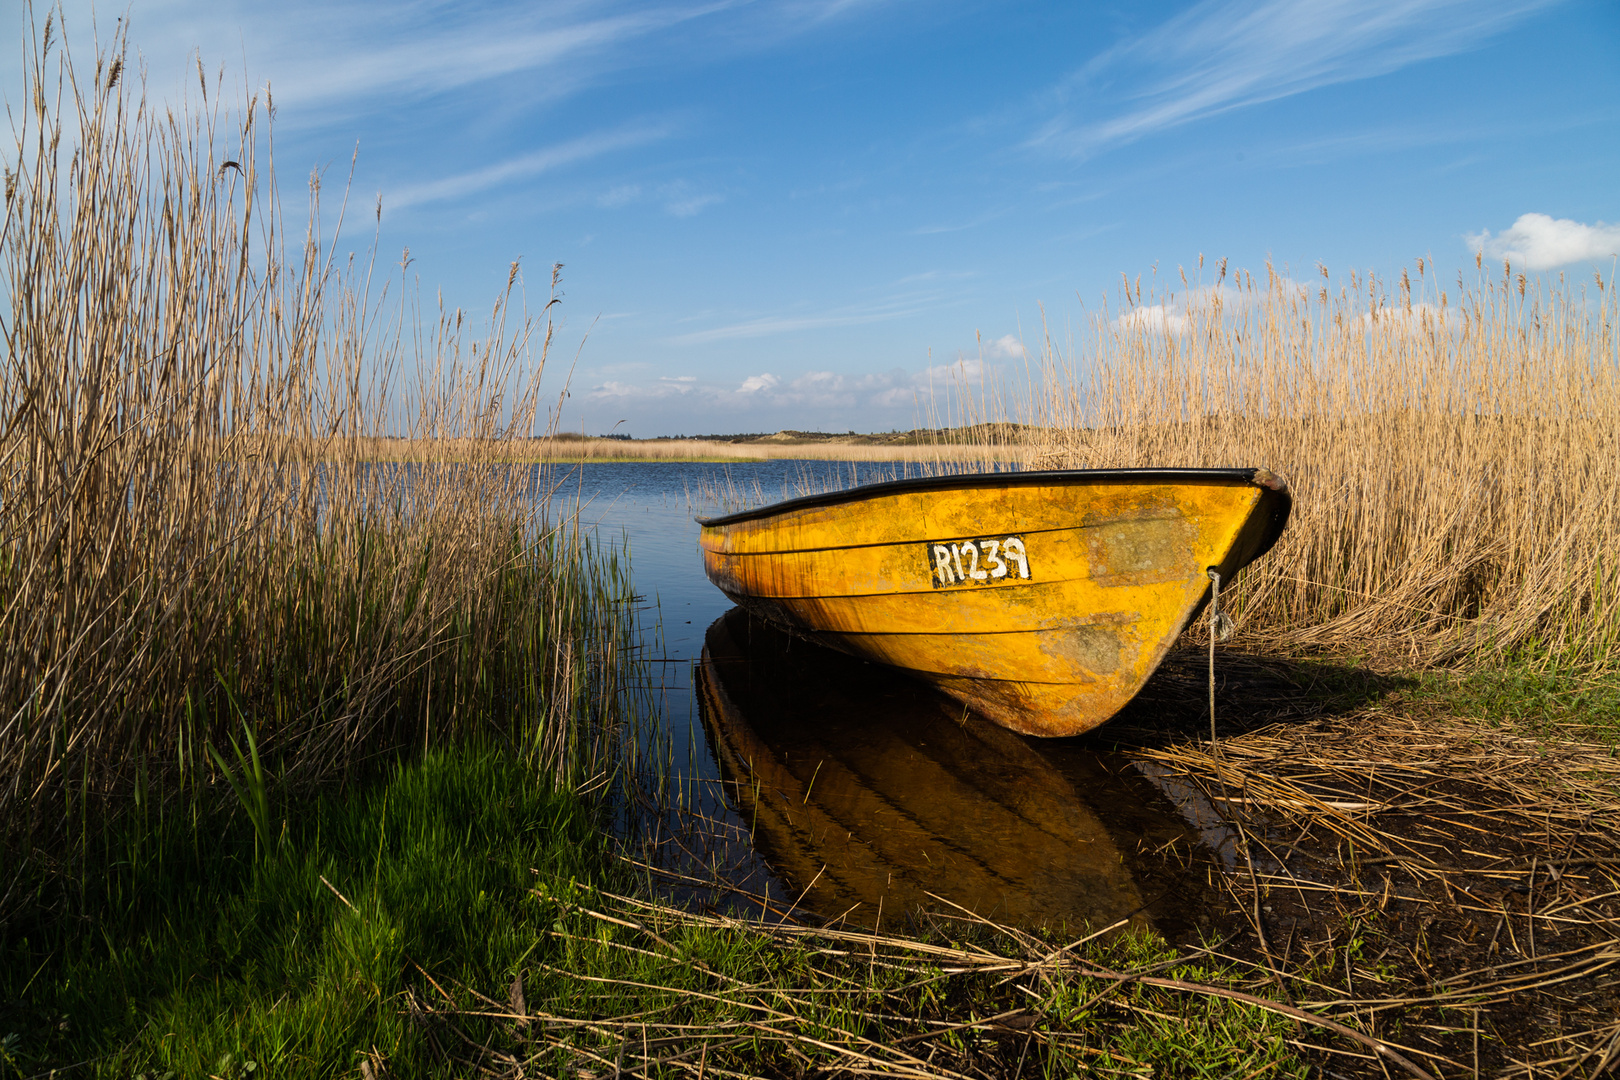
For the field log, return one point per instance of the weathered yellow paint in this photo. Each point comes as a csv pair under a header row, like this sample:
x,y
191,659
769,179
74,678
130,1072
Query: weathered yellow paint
x,y
1117,564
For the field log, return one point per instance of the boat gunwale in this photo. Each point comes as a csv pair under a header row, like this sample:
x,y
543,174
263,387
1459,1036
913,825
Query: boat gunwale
x,y
982,480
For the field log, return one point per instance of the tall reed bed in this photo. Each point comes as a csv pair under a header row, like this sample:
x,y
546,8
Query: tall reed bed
x,y
205,585
1453,449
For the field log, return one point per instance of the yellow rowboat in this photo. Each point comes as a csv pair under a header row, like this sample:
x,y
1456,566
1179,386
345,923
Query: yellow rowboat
x,y
1043,600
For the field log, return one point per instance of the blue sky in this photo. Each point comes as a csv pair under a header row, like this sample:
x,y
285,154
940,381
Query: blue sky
x,y
806,213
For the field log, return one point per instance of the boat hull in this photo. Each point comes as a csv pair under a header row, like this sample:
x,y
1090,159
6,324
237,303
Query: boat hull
x,y
1043,601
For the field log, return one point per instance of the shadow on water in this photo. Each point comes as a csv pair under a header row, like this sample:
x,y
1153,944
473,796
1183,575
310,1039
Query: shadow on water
x,y
868,792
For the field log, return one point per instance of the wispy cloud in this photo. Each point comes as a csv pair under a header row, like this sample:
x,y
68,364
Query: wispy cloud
x,y
619,195
790,324
937,275
325,60
352,60
682,200
328,60
896,388
1541,242
692,205
322,57
1229,54
959,226
524,166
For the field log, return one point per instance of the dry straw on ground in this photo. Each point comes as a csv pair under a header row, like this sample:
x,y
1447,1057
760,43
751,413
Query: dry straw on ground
x,y
1451,447
1406,874
1413,1007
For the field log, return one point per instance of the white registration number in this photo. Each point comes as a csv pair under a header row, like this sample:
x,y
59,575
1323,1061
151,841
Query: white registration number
x,y
989,560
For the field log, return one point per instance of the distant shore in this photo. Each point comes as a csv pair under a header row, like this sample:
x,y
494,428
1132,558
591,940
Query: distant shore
x,y
986,442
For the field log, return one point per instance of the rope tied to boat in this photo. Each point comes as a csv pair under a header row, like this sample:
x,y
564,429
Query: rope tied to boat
x,y
1216,615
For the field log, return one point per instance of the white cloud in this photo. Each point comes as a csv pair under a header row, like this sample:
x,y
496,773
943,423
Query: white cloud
x,y
1221,55
1007,347
1417,321
962,369
1541,242
819,380
1172,315
756,383
1156,317
613,390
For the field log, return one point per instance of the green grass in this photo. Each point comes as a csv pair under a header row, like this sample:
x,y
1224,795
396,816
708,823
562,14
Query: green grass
x,y
1179,1035
1525,696
194,949
774,1003
192,946
351,670
1527,693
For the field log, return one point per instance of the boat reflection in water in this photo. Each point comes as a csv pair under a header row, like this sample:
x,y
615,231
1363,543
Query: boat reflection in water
x,y
868,791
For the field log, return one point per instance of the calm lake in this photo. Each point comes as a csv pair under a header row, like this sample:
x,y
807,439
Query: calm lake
x,y
854,792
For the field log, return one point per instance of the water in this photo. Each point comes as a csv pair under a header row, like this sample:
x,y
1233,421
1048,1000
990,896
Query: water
x,y
651,507
851,791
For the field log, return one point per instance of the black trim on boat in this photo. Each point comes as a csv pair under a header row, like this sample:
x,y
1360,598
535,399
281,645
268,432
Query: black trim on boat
x,y
1277,513
979,480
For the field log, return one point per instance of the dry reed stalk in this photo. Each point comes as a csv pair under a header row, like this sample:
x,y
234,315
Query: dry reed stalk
x,y
832,1006
1408,866
193,537
1451,450
1500,846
